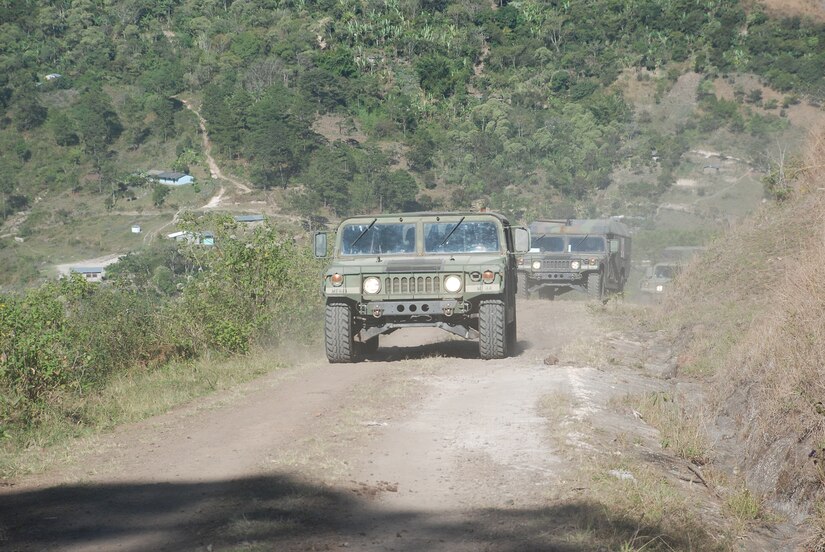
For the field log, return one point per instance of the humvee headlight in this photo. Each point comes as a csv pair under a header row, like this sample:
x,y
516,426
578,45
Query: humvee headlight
x,y
660,287
372,285
488,276
336,279
536,265
452,283
575,265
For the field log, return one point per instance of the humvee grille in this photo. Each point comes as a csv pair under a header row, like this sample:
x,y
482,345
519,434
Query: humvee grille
x,y
405,285
555,264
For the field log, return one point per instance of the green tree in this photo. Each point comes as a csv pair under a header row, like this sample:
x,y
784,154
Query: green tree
x,y
329,176
278,142
30,112
437,75
159,193
397,191
62,129
97,123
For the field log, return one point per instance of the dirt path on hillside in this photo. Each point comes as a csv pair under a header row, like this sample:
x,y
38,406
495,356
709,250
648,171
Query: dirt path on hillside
x,y
214,169
424,447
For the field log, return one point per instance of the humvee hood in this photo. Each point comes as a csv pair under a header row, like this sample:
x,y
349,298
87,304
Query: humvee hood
x,y
446,263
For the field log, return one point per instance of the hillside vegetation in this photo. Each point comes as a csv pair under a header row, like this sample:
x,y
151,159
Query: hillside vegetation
x,y
751,315
522,106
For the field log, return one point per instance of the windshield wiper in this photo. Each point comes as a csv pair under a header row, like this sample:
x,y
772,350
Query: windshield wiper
x,y
361,235
447,237
578,243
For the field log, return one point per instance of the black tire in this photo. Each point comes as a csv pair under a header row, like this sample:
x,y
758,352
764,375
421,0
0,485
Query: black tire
x,y
523,291
492,330
595,285
512,336
338,333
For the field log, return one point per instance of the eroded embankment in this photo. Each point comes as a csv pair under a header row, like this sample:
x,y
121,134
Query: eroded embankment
x,y
750,320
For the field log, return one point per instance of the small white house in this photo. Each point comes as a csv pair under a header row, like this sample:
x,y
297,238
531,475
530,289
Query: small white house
x,y
90,273
136,229
171,178
249,218
53,76
202,238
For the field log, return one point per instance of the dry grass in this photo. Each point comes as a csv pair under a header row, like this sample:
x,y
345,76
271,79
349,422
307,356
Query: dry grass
x,y
751,316
790,8
680,427
641,494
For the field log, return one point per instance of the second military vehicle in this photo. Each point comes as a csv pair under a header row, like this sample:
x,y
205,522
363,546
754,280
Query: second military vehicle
x,y
454,271
660,276
591,255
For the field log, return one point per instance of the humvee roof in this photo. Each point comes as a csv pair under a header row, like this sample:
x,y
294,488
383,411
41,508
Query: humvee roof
x,y
579,226
427,214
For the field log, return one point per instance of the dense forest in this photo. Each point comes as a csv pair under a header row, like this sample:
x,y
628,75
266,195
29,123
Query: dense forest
x,y
500,102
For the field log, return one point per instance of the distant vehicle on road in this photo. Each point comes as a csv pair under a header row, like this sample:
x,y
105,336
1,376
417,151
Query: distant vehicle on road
x,y
672,260
591,255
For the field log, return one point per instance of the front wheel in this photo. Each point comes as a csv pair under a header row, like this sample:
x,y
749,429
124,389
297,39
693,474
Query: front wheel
x,y
523,290
338,333
512,336
595,285
492,331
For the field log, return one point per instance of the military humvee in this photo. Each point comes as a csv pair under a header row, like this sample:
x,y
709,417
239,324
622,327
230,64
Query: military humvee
x,y
658,278
454,271
590,255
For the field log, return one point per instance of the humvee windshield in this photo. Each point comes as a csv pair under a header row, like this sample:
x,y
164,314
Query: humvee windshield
x,y
585,244
548,244
460,237
377,239
665,271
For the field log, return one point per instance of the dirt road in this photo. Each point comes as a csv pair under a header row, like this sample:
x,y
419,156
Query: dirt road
x,y
425,447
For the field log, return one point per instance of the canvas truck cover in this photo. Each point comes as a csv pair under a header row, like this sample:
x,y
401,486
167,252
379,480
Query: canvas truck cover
x,y
579,227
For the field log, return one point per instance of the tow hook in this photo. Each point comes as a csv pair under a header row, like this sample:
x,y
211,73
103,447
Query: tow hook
x,y
376,312
448,311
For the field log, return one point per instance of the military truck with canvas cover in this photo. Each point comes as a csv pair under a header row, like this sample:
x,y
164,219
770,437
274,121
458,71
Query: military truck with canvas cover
x,y
591,255
672,260
454,271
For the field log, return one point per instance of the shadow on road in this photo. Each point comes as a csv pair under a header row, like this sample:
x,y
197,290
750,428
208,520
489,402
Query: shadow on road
x,y
450,349
280,513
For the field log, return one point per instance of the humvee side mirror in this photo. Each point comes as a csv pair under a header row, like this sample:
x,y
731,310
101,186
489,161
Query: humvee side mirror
x,y
320,244
522,239
614,246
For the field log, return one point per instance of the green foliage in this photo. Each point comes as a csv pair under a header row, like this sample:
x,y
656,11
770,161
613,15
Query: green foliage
x,y
30,112
263,75
159,193
251,281
64,337
789,52
70,336
276,159
778,184
437,75
159,269
97,123
397,191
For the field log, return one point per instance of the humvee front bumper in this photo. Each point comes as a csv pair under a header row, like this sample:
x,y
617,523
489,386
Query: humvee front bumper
x,y
413,308
560,277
